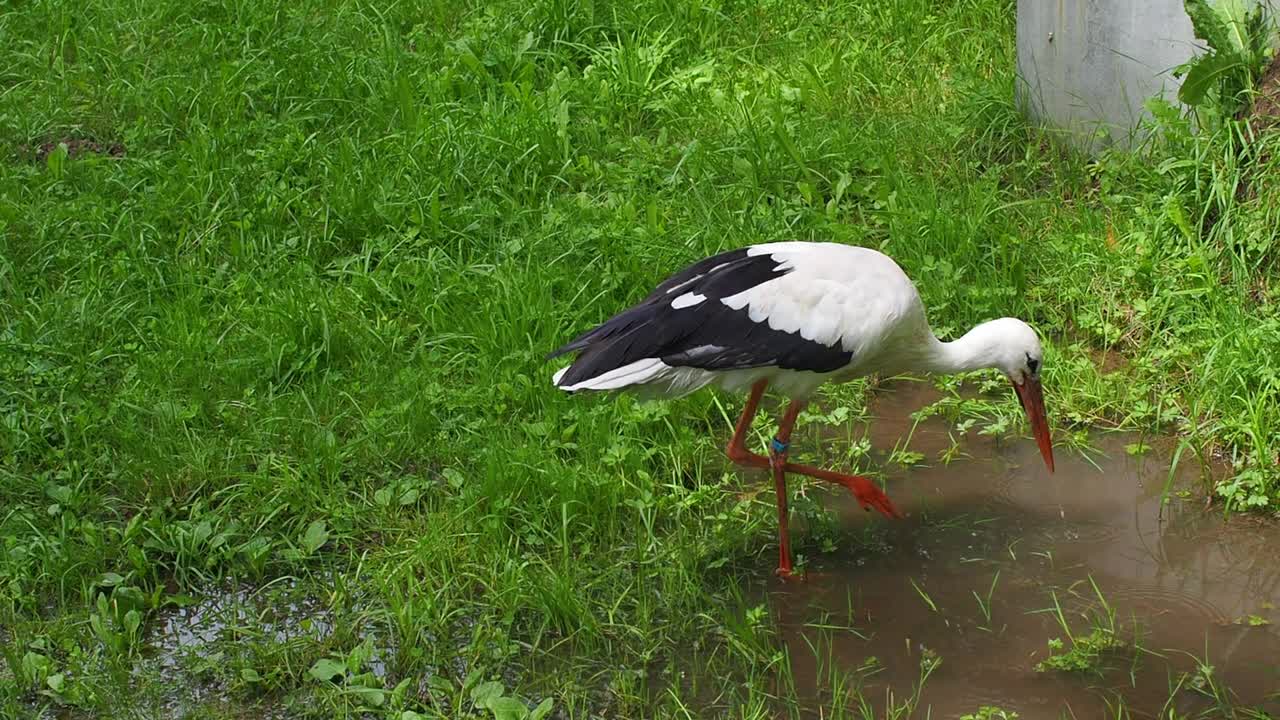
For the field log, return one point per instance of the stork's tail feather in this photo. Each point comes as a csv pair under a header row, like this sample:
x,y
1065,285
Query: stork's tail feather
x,y
624,352
577,343
649,377
636,373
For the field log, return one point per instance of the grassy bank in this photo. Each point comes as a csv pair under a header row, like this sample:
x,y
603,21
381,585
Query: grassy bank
x,y
282,325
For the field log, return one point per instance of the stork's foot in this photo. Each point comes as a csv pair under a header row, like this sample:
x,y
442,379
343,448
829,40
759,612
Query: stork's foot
x,y
869,496
864,491
791,575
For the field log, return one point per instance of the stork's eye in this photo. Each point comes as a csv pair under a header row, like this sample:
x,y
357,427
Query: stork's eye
x,y
1033,364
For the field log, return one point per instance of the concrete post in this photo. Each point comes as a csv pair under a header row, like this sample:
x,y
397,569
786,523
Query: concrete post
x,y
1087,66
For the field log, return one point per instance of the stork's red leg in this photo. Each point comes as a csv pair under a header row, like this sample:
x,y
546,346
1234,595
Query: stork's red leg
x,y
778,463
867,494
737,451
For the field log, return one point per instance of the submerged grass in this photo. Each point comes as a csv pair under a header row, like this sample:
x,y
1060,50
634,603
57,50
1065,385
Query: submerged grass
x,y
277,312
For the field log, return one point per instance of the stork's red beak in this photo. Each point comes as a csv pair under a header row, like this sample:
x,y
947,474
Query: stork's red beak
x,y
1033,402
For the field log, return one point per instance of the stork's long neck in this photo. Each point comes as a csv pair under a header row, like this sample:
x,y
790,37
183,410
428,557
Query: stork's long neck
x,y
975,350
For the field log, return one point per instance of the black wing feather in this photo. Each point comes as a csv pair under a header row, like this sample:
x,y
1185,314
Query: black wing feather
x,y
696,270
708,336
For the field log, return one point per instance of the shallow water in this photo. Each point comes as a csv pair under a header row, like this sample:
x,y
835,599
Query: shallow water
x,y
1187,586
185,642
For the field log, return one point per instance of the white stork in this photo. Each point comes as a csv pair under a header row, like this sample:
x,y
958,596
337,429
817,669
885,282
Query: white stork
x,y
794,315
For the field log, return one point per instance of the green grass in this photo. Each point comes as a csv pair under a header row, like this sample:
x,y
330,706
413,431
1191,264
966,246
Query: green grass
x,y
1088,653
293,337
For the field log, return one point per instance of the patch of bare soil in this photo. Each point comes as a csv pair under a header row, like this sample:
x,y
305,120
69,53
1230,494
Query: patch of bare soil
x,y
76,147
1263,115
1265,111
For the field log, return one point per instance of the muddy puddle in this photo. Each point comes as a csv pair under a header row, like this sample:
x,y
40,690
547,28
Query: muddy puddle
x,y
188,646
993,542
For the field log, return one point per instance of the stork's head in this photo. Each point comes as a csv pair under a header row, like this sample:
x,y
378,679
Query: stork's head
x,y
1016,352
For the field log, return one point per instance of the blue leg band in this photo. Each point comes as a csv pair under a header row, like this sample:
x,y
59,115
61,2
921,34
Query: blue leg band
x,y
778,446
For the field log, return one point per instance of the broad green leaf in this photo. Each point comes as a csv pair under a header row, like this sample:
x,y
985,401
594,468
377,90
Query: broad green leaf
x,y
841,185
543,709
60,493
57,160
35,666
327,669
1235,16
508,708
127,598
1208,25
100,630
454,477
1203,76
469,682
440,684
132,621
1173,210
486,691
1257,30
373,697
110,579
315,537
